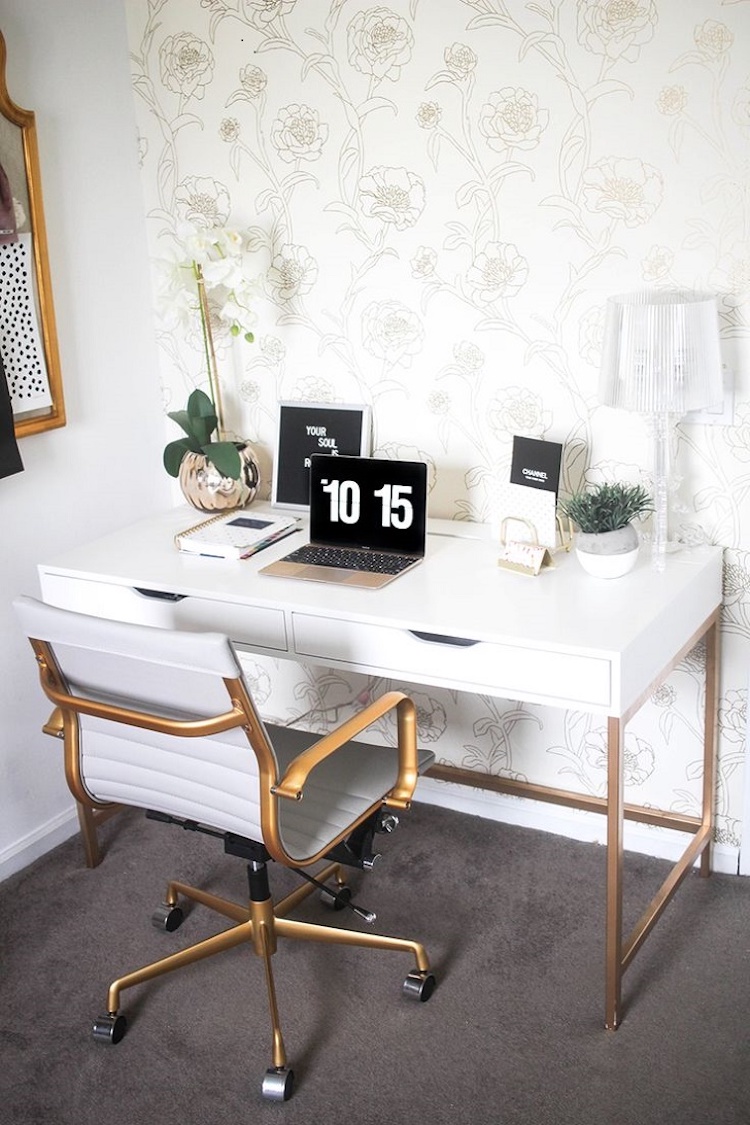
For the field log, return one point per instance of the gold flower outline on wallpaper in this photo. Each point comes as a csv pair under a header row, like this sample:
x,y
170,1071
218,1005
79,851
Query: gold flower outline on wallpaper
x,y
713,39
298,134
639,760
731,274
497,271
392,332
733,716
735,613
379,43
259,680
253,83
625,189
230,130
439,403
469,358
517,410
657,263
424,262
393,195
186,65
268,10
460,60
741,107
737,437
428,115
432,721
292,273
511,118
202,201
591,335
672,100
616,30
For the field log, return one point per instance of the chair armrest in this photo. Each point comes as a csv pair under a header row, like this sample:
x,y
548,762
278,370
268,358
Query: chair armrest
x,y
291,785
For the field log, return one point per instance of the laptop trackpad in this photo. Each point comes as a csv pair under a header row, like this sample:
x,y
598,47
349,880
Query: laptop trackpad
x,y
336,575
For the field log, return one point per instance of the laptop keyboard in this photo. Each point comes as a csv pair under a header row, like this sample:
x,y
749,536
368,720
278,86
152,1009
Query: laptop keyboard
x,y
349,558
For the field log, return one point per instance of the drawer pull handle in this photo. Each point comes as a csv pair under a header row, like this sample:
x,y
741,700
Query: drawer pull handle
x,y
163,595
439,639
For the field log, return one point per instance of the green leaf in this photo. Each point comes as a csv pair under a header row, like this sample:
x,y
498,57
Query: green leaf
x,y
182,419
174,453
203,428
607,506
202,417
224,455
199,405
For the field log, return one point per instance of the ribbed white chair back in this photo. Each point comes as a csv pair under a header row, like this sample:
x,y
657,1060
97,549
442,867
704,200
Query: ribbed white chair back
x,y
174,674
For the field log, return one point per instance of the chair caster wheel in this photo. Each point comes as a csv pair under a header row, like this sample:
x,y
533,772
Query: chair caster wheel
x,y
167,918
278,1084
342,899
419,986
109,1029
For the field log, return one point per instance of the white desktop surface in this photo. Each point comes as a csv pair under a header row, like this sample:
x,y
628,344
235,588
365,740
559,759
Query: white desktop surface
x,y
562,638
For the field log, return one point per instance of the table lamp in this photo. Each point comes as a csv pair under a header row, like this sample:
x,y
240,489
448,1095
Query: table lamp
x,y
661,358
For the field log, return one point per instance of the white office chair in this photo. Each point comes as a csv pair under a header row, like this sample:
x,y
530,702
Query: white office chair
x,y
163,720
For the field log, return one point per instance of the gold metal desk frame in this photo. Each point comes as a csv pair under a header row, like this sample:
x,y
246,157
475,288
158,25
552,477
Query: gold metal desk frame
x,y
621,951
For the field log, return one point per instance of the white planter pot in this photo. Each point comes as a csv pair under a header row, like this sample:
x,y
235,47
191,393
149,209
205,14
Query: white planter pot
x,y
608,554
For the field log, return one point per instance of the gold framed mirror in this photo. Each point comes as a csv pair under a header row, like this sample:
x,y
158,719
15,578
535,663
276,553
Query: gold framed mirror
x,y
28,336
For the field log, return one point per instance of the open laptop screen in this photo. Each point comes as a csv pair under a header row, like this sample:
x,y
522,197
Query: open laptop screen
x,y
368,502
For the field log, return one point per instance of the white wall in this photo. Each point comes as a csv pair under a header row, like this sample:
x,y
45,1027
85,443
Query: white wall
x,y
68,62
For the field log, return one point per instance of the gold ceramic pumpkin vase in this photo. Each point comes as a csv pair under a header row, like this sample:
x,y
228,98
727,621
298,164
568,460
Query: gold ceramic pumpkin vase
x,y
207,489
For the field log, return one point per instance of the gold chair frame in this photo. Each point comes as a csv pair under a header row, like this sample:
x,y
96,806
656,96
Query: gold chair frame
x,y
261,922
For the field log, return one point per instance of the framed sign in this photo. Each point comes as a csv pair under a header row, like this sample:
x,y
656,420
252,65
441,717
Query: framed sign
x,y
306,428
28,335
530,497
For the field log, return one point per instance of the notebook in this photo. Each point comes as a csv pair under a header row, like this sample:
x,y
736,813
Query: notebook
x,y
368,521
234,535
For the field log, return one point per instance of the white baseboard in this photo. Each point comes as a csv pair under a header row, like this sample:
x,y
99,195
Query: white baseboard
x,y
556,819
661,843
37,843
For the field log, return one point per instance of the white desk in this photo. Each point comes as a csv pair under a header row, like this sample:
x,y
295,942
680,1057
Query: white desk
x,y
458,621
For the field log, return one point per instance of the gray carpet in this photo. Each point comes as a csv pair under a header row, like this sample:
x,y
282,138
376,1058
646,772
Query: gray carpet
x,y
513,920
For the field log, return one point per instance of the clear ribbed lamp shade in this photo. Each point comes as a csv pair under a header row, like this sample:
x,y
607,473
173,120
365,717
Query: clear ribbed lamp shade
x,y
661,353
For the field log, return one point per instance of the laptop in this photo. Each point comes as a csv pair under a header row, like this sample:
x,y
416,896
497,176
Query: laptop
x,y
368,522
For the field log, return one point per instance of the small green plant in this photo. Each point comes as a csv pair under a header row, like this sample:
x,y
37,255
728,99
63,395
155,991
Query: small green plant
x,y
607,507
199,422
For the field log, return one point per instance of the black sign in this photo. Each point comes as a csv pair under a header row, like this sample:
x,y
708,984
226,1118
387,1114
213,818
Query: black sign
x,y
307,428
536,463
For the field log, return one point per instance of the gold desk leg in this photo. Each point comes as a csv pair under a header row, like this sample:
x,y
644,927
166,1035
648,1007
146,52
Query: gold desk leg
x,y
710,739
615,822
620,952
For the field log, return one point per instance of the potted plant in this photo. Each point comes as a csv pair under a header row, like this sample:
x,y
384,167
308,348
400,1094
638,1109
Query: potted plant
x,y
214,474
607,542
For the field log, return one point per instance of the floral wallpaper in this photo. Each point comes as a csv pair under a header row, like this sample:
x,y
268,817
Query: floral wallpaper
x,y
434,199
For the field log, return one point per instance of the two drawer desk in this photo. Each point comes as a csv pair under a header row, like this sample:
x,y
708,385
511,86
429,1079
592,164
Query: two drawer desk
x,y
457,621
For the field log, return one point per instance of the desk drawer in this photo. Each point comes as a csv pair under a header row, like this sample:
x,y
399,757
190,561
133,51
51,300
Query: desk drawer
x,y
513,671
253,627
